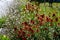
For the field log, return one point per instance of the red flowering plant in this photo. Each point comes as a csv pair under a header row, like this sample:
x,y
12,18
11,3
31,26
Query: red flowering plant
x,y
32,30
33,25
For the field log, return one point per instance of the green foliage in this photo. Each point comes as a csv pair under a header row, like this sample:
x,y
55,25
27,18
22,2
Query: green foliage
x,y
2,21
4,37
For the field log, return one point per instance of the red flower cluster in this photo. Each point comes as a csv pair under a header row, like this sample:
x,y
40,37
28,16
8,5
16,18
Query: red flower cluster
x,y
29,7
25,23
48,19
32,22
21,33
42,19
28,35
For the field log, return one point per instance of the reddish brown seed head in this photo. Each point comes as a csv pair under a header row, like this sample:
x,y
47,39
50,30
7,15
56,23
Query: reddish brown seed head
x,y
32,21
53,15
42,15
56,19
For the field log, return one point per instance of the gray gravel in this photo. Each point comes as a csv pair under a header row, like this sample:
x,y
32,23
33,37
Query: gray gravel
x,y
5,5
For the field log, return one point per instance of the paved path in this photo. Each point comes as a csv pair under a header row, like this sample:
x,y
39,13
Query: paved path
x,y
5,5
